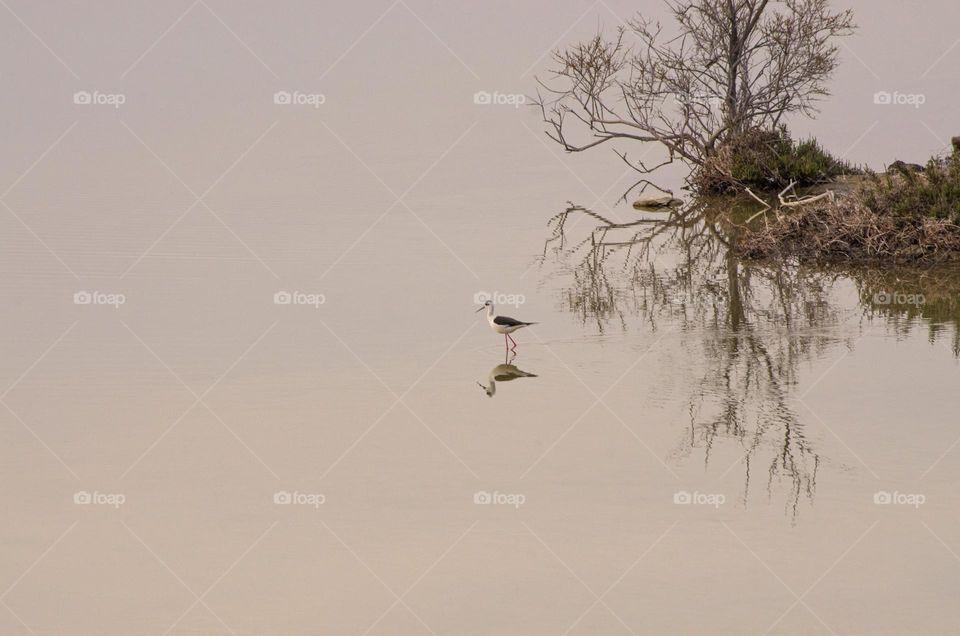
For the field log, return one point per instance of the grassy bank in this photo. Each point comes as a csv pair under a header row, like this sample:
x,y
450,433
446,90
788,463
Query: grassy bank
x,y
767,161
906,215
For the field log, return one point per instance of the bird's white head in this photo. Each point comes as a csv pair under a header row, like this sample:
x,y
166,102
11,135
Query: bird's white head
x,y
488,306
491,389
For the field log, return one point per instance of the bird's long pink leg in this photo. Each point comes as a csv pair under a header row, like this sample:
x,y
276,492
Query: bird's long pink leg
x,y
511,340
505,345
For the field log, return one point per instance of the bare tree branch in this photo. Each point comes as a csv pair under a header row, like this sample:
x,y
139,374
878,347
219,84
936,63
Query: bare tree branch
x,y
731,66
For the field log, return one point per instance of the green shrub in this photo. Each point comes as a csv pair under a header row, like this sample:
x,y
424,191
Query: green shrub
x,y
935,192
768,160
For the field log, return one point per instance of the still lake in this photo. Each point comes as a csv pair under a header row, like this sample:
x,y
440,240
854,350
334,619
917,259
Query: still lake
x,y
245,388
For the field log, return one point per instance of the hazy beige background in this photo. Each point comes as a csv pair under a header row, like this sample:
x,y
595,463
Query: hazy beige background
x,y
398,199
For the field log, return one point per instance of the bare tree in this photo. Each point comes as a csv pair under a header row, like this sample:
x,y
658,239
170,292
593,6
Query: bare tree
x,y
732,66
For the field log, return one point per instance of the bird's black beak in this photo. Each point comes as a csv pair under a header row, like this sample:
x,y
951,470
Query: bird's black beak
x,y
481,309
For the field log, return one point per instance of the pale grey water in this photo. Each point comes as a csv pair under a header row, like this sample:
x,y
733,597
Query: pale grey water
x,y
789,393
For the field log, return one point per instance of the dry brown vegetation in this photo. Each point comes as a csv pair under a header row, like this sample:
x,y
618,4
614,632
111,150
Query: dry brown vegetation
x,y
866,225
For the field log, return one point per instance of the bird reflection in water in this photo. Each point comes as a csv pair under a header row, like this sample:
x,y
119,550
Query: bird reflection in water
x,y
503,373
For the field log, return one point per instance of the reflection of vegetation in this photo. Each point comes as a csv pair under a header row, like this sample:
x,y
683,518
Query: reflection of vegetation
x,y
907,297
594,296
755,323
755,326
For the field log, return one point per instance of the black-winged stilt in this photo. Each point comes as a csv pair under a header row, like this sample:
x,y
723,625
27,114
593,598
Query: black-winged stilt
x,y
503,324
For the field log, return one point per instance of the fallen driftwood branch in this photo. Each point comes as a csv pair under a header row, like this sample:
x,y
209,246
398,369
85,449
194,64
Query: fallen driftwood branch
x,y
829,194
886,219
785,190
783,197
766,206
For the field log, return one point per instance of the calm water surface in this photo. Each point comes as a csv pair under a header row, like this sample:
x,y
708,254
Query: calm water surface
x,y
684,443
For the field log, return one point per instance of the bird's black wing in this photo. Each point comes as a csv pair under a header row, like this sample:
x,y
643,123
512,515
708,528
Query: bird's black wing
x,y
506,321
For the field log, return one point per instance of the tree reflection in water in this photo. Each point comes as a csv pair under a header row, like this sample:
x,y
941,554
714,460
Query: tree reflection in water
x,y
748,325
751,326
